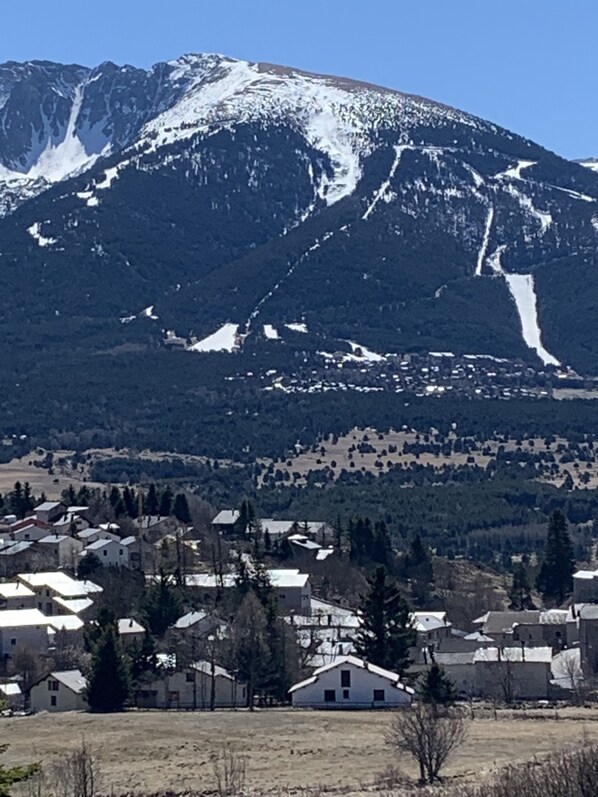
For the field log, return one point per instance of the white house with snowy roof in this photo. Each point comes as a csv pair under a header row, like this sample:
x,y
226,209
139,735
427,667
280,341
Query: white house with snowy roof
x,y
350,682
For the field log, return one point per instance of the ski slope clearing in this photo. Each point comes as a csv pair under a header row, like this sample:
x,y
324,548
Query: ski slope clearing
x,y
523,292
224,339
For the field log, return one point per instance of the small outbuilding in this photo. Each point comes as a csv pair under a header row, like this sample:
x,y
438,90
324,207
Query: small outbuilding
x,y
350,682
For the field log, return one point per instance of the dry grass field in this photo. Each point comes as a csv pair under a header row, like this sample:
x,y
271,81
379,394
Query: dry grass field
x,y
285,749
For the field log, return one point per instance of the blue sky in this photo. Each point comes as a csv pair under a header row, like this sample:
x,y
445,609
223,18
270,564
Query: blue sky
x,y
526,64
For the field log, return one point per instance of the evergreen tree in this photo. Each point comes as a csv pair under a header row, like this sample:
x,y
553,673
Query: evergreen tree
x,y
181,508
166,503
162,605
386,632
520,594
88,565
152,505
555,578
8,777
108,680
437,687
114,496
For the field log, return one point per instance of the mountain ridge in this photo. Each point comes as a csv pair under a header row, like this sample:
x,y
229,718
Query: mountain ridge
x,y
219,191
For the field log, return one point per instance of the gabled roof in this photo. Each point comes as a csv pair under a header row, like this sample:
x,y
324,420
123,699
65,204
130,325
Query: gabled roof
x,y
74,605
11,689
126,541
126,625
503,622
344,661
205,667
189,619
226,517
72,679
98,544
16,547
429,621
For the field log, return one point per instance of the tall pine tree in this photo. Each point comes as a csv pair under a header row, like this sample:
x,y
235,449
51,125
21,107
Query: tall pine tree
x,y
386,632
555,578
108,681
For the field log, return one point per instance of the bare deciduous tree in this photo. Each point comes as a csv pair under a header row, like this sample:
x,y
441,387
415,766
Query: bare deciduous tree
x,y
428,735
75,775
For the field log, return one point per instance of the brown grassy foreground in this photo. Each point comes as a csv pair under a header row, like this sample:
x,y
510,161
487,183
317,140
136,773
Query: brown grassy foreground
x,y
286,750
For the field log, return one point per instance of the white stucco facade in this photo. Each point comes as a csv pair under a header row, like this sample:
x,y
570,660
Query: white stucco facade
x,y
351,683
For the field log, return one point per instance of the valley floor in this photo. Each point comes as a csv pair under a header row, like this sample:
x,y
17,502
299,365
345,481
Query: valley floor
x,y
285,749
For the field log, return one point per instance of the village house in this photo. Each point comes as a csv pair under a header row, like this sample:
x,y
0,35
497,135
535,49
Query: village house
x,y
90,534
192,687
30,532
70,523
59,691
130,630
23,628
56,584
351,682
291,587
433,633
15,556
516,673
196,623
109,552
50,511
585,586
61,550
14,595
224,522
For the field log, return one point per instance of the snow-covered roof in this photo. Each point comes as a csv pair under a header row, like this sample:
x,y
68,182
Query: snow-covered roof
x,y
65,622
14,589
423,622
288,578
126,625
128,540
514,654
586,574
74,605
53,539
61,583
276,528
99,544
477,636
189,619
206,668
47,506
11,689
345,661
16,547
226,517
20,618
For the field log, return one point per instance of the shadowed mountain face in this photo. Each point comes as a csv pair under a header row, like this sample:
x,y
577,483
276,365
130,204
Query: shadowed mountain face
x,y
214,195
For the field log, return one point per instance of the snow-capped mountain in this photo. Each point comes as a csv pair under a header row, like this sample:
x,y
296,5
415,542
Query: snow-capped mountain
x,y
223,194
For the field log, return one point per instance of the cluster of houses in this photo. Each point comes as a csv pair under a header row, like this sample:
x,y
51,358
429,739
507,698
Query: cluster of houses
x,y
504,655
312,539
57,536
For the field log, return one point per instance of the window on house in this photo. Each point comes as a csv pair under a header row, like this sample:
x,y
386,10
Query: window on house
x,y
329,696
120,551
345,694
13,641
105,553
53,700
378,695
189,677
53,686
346,678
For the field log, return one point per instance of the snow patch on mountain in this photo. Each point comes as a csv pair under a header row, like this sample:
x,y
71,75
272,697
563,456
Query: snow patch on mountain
x,y
226,338
514,172
297,326
148,312
543,218
35,232
523,292
485,241
270,332
360,352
